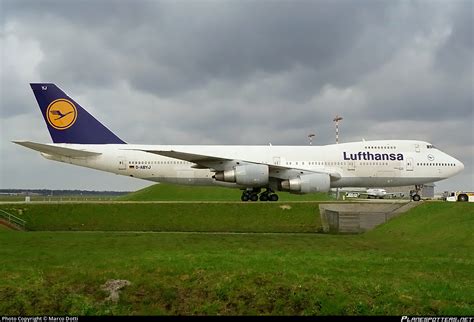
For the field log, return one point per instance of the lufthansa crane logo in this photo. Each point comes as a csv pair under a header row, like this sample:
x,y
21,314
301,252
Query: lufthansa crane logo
x,y
61,114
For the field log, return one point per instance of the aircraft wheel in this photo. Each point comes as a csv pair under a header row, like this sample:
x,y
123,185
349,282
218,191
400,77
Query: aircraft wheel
x,y
416,197
264,197
244,197
253,197
273,197
463,198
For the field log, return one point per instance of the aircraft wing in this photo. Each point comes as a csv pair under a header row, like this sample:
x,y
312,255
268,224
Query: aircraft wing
x,y
222,163
56,150
190,157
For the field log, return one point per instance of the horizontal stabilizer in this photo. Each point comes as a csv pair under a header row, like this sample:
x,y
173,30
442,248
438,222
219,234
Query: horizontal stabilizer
x,y
56,150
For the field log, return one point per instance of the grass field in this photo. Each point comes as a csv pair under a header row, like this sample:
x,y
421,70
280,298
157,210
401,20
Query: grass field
x,y
59,198
169,192
418,264
4,227
231,217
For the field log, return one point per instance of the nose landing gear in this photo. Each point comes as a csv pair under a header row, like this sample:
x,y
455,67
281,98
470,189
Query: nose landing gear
x,y
415,194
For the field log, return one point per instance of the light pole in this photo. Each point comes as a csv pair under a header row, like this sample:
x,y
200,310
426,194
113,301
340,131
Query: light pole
x,y
336,120
311,136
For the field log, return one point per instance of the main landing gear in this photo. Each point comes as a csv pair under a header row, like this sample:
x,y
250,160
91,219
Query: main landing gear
x,y
253,195
415,194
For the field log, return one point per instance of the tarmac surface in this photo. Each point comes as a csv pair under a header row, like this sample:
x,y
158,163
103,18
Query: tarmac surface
x,y
369,201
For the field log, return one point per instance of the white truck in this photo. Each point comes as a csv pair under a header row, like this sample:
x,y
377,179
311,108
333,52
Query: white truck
x,y
461,196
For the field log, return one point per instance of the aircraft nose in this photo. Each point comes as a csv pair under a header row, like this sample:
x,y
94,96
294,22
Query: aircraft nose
x,y
459,165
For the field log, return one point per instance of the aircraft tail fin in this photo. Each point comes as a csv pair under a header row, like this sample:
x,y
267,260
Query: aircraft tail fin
x,y
67,121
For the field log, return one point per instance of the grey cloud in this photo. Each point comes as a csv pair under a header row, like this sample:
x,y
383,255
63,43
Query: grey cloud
x,y
84,13
183,46
240,72
456,56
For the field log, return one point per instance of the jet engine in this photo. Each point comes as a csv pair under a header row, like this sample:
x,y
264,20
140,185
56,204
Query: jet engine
x,y
308,183
248,175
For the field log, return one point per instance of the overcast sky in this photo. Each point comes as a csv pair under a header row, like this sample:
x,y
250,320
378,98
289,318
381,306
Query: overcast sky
x,y
237,72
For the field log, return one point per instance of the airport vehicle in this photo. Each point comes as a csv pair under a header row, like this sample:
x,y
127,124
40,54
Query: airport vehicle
x,y
461,196
80,139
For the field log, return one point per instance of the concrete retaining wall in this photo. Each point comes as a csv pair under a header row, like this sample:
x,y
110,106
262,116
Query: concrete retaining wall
x,y
355,218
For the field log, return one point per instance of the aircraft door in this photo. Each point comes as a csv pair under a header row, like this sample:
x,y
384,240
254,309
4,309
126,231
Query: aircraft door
x,y
351,165
122,163
409,164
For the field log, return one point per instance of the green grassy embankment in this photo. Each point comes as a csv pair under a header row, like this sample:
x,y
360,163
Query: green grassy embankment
x,y
420,263
220,217
170,192
3,227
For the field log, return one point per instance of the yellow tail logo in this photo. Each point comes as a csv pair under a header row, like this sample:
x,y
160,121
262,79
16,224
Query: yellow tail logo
x,y
61,114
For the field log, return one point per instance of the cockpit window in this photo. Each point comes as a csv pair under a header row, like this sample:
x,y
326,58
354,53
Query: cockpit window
x,y
430,146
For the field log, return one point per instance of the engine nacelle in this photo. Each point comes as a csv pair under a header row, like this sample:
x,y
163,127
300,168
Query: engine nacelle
x,y
248,175
308,183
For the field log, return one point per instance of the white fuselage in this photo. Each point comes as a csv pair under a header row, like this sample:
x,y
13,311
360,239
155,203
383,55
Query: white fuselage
x,y
377,193
382,163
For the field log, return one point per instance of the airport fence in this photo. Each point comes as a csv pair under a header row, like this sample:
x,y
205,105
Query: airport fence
x,y
12,219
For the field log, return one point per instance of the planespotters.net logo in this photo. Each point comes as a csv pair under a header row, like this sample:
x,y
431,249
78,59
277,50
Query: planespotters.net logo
x,y
437,319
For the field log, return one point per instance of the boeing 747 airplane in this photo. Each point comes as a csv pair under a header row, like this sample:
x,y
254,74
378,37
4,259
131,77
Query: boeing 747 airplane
x,y
259,171
376,193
